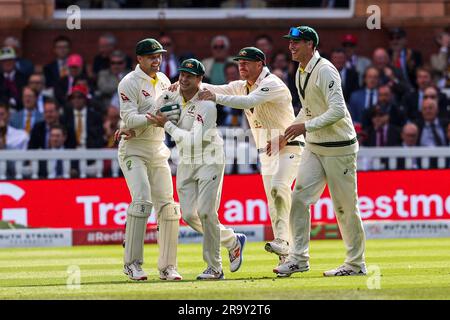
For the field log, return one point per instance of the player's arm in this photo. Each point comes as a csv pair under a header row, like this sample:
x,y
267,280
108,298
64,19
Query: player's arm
x,y
228,89
205,120
267,91
129,107
329,83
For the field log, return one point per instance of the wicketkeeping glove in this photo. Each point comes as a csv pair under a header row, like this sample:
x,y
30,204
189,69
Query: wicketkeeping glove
x,y
172,112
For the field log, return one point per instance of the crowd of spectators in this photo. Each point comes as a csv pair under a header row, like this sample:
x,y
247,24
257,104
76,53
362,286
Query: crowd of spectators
x,y
395,97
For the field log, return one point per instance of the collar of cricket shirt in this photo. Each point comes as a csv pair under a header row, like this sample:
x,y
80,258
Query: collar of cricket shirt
x,y
311,62
146,77
264,73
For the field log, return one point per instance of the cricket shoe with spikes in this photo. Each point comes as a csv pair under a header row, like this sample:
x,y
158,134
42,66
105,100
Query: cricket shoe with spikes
x,y
211,274
345,270
170,273
236,254
277,246
134,271
288,268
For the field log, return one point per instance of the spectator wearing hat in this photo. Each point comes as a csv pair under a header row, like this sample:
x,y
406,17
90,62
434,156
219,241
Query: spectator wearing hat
x,y
23,65
403,58
29,114
12,80
82,121
65,84
413,100
214,65
349,75
359,63
57,69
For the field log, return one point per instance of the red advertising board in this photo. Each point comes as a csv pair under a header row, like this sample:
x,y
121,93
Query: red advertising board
x,y
102,203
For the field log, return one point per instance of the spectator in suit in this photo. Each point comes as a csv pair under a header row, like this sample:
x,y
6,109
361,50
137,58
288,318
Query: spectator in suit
x,y
382,133
432,129
364,98
57,69
57,141
37,83
403,58
12,80
397,114
349,76
106,46
65,84
40,134
214,65
10,138
359,63
388,74
170,62
108,79
23,65
410,138
414,99
265,43
280,61
82,122
29,115
227,116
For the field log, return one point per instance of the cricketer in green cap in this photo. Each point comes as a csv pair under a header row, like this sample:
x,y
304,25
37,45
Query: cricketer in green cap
x,y
251,54
192,66
303,33
149,46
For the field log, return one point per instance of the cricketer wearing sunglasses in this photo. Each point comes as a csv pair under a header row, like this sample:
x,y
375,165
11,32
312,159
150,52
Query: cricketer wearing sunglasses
x,y
267,103
329,158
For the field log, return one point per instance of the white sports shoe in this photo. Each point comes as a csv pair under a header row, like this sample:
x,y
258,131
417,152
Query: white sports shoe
x,y
277,246
236,254
170,273
288,268
134,271
345,270
211,274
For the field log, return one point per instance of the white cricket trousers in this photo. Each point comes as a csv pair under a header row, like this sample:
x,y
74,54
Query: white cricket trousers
x,y
339,172
199,188
279,172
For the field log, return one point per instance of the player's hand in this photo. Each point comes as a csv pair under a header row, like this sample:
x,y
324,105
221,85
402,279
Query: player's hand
x,y
159,119
294,131
126,133
205,94
275,145
174,87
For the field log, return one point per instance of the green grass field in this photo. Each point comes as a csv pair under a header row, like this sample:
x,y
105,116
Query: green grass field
x,y
410,269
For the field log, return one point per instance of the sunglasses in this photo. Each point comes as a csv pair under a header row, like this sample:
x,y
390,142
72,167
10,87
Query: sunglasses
x,y
218,47
117,62
430,97
294,32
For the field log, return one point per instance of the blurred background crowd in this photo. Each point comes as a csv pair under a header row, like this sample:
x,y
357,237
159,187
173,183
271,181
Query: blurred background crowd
x,y
396,97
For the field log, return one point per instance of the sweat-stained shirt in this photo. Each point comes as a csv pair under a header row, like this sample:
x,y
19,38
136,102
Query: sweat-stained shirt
x,y
138,95
196,134
267,105
329,127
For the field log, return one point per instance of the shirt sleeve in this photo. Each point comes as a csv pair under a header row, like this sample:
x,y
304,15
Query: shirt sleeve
x,y
204,122
267,91
329,83
229,89
129,106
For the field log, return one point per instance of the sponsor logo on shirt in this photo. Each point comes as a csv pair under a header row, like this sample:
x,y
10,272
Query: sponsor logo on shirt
x,y
145,93
331,84
200,119
124,97
265,89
